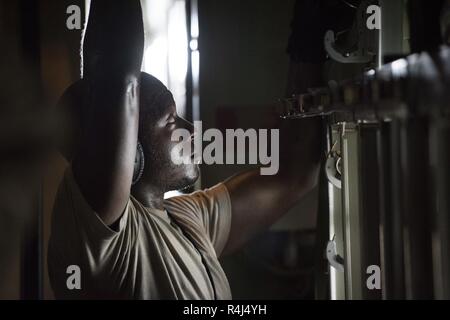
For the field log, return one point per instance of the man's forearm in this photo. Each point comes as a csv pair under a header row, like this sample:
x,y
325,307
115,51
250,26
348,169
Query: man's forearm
x,y
300,151
300,146
257,200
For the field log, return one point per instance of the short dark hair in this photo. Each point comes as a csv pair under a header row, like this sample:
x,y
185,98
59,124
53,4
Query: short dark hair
x,y
72,107
154,98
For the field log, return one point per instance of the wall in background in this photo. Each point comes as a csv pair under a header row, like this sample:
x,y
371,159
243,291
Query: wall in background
x,y
243,71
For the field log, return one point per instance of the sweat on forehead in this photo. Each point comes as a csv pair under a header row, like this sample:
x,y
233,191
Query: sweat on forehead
x,y
155,98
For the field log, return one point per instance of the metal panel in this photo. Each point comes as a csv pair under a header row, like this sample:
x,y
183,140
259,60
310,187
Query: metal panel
x,y
416,209
439,141
396,210
394,30
385,207
337,278
370,201
351,210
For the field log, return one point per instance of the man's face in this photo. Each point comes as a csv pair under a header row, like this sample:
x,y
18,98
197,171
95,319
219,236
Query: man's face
x,y
155,134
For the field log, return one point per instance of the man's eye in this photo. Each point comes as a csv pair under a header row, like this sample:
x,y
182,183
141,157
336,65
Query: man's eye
x,y
171,121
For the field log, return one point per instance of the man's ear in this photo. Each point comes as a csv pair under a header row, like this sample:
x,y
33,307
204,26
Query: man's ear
x,y
70,110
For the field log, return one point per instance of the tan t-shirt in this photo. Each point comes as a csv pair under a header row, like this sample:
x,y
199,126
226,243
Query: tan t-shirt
x,y
153,255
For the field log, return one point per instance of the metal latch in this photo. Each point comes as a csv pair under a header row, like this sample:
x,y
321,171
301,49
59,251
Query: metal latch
x,y
335,260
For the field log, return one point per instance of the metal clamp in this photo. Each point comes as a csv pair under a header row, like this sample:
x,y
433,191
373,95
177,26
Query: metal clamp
x,y
333,167
335,260
335,54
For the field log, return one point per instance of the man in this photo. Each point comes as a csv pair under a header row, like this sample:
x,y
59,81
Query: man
x,y
110,218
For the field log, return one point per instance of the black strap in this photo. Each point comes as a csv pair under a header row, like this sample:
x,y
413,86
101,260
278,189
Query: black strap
x,y
173,220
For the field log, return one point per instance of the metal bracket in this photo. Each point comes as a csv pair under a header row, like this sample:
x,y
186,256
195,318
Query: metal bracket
x,y
332,169
335,54
366,44
335,260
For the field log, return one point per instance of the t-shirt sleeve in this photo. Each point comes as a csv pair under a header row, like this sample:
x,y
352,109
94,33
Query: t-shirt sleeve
x,y
211,208
88,220
77,231
80,237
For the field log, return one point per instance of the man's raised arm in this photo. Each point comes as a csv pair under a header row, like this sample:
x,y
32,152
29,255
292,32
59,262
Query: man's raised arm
x,y
112,56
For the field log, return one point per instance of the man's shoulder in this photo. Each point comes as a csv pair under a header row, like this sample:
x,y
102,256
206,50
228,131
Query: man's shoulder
x,y
200,202
181,203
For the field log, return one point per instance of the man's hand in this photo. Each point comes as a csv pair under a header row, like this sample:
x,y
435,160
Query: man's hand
x,y
114,39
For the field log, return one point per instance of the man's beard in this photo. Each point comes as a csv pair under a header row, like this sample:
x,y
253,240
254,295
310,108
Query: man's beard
x,y
167,175
183,183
